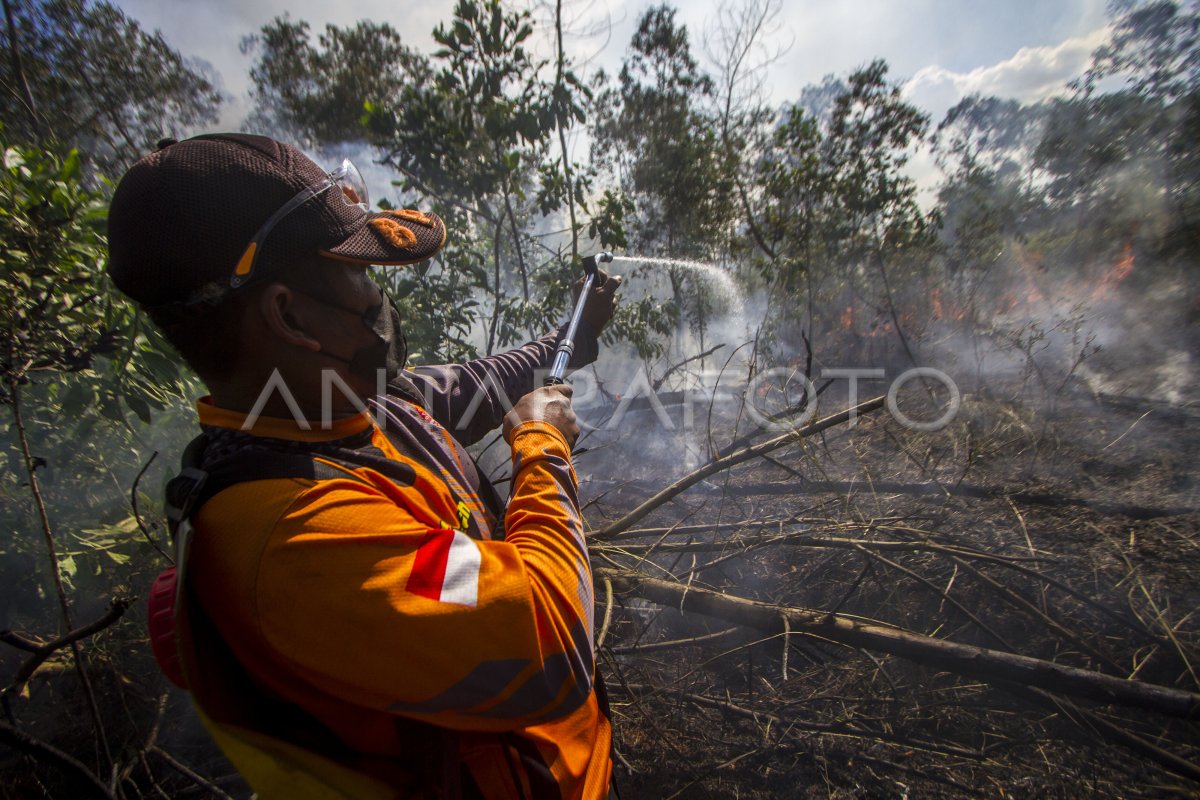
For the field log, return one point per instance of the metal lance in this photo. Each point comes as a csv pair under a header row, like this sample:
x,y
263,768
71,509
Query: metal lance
x,y
567,346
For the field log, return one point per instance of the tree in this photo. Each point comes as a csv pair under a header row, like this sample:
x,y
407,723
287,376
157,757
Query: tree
x,y
98,82
838,207
317,94
664,144
657,133
56,321
1155,48
67,340
985,147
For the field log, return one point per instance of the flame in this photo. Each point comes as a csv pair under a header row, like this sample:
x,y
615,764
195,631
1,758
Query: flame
x,y
940,309
1116,274
848,319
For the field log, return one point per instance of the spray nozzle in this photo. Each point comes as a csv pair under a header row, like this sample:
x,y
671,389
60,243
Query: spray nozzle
x,y
590,262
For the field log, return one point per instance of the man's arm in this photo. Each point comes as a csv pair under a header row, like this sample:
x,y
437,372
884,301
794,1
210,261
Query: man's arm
x,y
471,399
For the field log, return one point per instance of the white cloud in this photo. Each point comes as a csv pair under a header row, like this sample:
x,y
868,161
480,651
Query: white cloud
x,y
1030,75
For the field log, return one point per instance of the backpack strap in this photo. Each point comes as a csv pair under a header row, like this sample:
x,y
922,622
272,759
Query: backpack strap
x,y
184,489
194,485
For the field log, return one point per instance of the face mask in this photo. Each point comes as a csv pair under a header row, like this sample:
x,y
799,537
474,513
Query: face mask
x,y
388,353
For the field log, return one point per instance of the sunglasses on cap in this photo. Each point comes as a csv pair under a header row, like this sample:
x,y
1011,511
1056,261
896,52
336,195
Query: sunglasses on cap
x,y
348,180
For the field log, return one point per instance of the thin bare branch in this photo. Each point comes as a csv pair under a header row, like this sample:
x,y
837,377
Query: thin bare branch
x,y
731,460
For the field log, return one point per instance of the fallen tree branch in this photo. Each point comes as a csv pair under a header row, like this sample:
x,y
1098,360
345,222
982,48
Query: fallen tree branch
x,y
40,652
733,459
1048,499
963,659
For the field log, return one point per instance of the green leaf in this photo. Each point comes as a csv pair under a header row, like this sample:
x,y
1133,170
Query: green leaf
x,y
138,406
70,167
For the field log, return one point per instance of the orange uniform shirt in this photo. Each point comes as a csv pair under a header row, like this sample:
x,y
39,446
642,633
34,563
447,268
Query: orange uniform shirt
x,y
393,610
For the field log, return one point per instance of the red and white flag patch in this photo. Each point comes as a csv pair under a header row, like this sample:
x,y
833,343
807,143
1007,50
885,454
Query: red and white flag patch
x,y
446,568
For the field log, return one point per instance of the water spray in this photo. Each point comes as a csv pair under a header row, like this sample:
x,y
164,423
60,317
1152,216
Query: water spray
x,y
567,346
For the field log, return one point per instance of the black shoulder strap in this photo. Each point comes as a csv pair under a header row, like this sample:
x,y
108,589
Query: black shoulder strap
x,y
402,386
194,486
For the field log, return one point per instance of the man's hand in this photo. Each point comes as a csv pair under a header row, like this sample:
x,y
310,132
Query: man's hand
x,y
548,404
602,300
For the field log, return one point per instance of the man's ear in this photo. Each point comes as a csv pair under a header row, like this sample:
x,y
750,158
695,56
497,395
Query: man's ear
x,y
284,318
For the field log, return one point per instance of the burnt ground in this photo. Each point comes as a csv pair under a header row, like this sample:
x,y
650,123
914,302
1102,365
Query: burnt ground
x,y
1080,515
1074,536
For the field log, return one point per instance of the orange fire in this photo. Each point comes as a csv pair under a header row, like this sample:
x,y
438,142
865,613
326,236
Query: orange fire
x,y
1116,274
881,329
940,309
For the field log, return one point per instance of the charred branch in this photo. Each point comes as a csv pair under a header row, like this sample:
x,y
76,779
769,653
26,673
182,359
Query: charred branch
x,y
1048,499
977,662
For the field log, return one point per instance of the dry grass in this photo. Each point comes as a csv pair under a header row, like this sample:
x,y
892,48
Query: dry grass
x,y
1068,534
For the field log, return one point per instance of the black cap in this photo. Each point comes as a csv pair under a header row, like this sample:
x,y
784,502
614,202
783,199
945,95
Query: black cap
x,y
182,217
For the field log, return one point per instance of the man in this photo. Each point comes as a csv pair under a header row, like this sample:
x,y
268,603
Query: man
x,y
359,617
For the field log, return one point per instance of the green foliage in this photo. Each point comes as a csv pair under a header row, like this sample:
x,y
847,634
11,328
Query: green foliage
x,y
74,355
100,83
646,324
674,194
610,221
656,132
1155,49
324,94
57,318
64,322
437,303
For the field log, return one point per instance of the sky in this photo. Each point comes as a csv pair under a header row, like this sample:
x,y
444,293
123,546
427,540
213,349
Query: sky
x,y
941,50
